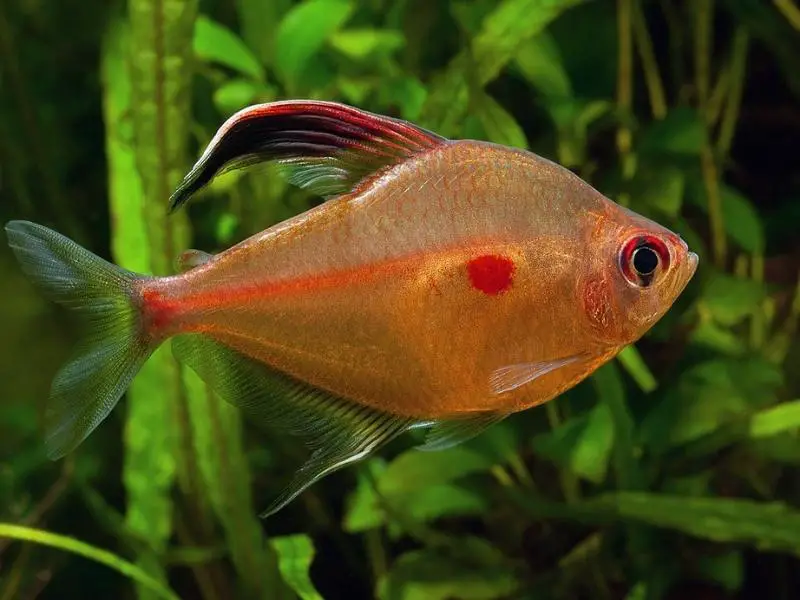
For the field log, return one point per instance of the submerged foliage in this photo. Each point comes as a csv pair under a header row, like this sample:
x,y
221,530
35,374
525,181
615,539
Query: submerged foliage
x,y
670,473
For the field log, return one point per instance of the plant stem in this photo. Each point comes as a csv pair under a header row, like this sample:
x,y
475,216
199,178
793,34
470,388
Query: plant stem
x,y
652,77
790,11
569,483
625,89
704,11
730,116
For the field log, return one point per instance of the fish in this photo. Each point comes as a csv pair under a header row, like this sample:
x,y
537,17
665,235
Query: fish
x,y
439,285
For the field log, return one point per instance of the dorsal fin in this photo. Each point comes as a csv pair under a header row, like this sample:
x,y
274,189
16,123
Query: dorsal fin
x,y
330,146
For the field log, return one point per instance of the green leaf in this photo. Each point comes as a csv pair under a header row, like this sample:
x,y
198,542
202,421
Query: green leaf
x,y
427,575
258,21
68,544
502,34
295,554
407,92
572,118
418,485
729,299
742,221
608,383
234,95
711,335
660,188
727,569
355,89
634,364
303,31
768,526
582,444
415,470
213,42
774,420
363,44
681,132
539,61
708,397
500,126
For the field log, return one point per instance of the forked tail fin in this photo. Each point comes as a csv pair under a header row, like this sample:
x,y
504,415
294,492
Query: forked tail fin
x,y
115,347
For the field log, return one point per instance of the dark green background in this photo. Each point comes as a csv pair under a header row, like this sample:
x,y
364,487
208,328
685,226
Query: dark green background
x,y
671,473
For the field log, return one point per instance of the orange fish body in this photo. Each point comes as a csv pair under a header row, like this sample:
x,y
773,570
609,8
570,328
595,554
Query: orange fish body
x,y
446,281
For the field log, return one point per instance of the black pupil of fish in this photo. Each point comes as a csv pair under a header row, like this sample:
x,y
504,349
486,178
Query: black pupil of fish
x,y
645,260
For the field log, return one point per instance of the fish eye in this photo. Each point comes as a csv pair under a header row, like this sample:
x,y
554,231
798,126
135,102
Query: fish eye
x,y
641,258
644,260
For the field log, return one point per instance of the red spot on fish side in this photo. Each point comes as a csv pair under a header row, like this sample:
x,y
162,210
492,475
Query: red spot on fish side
x,y
491,274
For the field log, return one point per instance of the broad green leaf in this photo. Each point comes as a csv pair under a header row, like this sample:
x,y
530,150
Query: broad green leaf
x,y
730,299
502,34
362,44
234,95
418,484
507,28
426,575
727,569
681,132
769,526
295,554
226,227
68,544
355,89
661,188
708,397
258,21
500,126
368,510
415,470
213,42
539,61
774,420
582,445
782,448
303,31
634,364
409,93
714,336
742,221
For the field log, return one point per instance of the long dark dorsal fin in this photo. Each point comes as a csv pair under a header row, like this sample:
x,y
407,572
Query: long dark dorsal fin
x,y
330,146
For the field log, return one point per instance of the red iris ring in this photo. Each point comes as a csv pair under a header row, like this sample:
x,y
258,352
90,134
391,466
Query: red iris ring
x,y
626,258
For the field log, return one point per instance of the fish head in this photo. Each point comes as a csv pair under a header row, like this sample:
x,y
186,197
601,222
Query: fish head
x,y
639,269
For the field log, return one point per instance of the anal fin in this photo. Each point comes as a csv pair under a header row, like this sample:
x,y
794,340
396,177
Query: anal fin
x,y
338,431
447,433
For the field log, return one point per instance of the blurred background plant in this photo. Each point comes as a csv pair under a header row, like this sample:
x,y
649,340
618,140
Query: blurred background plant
x,y
671,473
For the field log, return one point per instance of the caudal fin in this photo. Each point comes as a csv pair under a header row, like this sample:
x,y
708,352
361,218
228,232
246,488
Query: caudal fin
x,y
114,348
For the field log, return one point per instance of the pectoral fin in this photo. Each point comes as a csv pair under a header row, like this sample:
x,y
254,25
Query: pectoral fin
x,y
511,377
189,259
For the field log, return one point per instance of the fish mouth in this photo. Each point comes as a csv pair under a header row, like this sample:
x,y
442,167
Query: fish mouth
x,y
692,261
